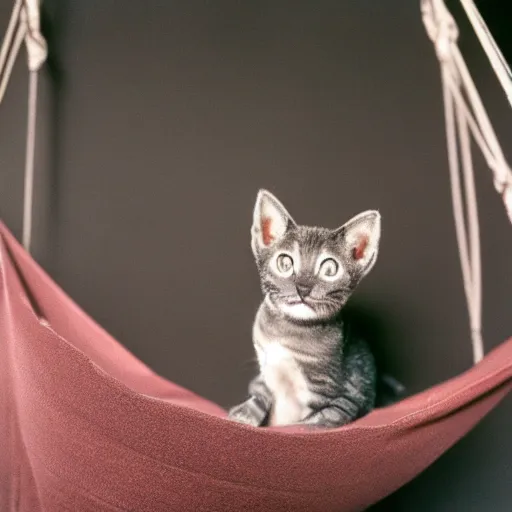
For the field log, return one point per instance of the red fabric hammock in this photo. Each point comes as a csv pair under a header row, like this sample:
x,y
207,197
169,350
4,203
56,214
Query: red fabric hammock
x,y
85,426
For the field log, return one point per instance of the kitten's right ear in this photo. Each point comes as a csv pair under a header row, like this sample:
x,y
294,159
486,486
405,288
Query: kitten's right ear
x,y
270,222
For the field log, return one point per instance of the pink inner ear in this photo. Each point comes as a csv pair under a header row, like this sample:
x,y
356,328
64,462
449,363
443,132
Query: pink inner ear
x,y
359,250
266,224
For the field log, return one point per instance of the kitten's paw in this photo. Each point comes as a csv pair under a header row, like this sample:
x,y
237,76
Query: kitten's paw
x,y
248,414
242,417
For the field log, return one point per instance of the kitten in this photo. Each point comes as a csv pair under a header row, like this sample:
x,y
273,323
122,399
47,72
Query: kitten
x,y
314,370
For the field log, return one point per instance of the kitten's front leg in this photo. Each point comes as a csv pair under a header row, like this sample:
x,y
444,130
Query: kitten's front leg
x,y
256,409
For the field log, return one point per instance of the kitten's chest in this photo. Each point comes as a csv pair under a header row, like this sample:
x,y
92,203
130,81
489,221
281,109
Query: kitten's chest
x,y
280,369
285,378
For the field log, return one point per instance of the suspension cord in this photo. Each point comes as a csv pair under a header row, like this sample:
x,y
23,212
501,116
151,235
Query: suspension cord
x,y
24,25
465,116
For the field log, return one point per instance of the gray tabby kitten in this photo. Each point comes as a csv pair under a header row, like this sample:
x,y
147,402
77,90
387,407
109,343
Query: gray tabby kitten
x,y
313,370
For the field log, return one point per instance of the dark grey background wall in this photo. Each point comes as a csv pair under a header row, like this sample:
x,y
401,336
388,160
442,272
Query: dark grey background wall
x,y
158,123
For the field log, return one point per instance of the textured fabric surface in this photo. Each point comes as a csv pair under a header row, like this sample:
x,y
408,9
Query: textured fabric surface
x,y
85,426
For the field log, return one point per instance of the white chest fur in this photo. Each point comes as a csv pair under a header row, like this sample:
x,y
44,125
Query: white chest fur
x,y
285,379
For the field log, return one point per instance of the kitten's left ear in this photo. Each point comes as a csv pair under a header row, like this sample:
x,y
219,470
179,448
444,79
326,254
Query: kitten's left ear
x,y
271,221
360,240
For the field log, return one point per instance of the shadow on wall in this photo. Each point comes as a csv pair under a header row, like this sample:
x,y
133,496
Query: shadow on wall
x,y
54,21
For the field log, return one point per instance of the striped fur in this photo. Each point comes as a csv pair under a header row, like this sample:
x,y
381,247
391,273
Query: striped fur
x,y
313,369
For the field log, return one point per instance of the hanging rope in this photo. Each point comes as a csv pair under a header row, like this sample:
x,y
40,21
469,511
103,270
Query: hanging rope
x,y
498,62
12,41
462,118
24,25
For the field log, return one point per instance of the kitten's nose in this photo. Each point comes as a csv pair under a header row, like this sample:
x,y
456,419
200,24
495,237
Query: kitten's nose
x,y
303,290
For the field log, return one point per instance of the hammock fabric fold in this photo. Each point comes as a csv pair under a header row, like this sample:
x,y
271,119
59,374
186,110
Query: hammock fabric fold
x,y
85,426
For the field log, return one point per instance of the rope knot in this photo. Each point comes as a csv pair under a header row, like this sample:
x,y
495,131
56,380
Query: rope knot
x,y
507,198
440,26
503,185
37,49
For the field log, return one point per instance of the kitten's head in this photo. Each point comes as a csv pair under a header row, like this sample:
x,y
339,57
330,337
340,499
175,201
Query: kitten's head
x,y
309,273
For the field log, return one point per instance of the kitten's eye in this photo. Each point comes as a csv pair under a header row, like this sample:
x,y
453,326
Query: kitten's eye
x,y
329,268
284,264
